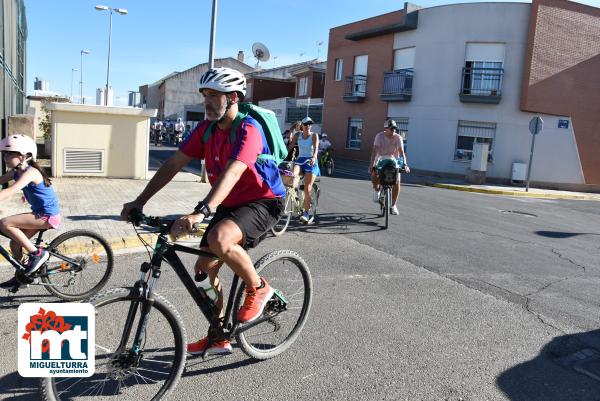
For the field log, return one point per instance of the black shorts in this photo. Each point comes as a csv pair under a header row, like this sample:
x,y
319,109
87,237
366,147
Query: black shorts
x,y
254,220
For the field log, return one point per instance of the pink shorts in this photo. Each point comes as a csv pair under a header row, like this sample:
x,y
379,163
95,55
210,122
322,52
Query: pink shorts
x,y
54,221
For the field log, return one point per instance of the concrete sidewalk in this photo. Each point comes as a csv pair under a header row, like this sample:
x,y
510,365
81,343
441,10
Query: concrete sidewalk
x,y
358,169
95,204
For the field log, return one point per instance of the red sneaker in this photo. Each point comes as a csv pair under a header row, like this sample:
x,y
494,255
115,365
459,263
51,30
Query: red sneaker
x,y
254,304
199,347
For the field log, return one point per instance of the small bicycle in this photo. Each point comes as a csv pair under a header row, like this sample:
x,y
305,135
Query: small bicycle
x,y
80,264
294,198
140,337
388,170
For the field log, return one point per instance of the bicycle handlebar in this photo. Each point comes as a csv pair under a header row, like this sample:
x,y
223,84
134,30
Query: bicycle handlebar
x,y
137,218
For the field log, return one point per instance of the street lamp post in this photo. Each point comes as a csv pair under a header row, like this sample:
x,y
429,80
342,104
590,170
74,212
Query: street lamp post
x,y
81,75
110,10
213,28
72,71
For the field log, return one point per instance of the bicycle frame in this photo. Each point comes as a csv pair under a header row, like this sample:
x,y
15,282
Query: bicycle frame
x,y
143,290
20,268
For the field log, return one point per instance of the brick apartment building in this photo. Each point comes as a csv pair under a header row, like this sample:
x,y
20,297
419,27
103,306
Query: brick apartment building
x,y
456,75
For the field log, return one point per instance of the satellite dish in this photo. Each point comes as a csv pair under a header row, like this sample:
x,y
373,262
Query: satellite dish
x,y
260,52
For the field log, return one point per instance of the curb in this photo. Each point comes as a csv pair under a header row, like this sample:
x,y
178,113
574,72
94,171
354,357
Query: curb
x,y
119,243
464,188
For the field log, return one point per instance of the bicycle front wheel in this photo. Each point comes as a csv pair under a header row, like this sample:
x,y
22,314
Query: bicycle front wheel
x,y
388,196
284,221
80,264
287,273
150,376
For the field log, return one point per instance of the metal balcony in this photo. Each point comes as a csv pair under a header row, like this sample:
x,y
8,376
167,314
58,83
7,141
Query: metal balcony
x,y
355,90
397,85
481,85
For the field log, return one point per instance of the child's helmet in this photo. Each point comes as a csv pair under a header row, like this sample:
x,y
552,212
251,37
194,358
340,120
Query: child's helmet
x,y
19,143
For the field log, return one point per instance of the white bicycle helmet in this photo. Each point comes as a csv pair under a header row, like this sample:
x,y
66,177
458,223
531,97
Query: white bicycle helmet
x,y
19,143
307,120
223,79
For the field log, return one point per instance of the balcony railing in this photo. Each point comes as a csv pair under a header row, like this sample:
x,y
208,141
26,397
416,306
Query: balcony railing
x,y
356,88
481,85
397,85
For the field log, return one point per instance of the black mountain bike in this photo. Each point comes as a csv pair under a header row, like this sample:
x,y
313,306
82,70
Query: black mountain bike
x,y
140,337
80,264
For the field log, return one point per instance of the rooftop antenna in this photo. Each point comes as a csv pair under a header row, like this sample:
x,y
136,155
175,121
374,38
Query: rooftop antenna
x,y
260,52
319,44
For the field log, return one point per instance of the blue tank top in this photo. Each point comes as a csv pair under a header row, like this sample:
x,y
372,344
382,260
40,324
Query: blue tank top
x,y
42,199
305,146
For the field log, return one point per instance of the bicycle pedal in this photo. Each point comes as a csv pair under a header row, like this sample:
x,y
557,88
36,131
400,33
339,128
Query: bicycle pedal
x,y
278,295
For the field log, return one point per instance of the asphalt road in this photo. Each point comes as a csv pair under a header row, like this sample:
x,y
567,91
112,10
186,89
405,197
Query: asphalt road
x,y
464,297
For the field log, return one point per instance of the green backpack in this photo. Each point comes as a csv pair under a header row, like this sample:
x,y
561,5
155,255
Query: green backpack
x,y
267,120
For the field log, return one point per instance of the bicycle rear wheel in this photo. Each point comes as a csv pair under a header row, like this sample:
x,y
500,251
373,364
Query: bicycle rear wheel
x,y
314,200
282,225
286,272
152,377
80,264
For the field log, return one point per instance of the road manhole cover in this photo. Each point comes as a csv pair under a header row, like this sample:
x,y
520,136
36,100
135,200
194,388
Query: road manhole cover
x,y
519,213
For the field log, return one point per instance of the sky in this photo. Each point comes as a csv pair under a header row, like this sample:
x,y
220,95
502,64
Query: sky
x,y
157,37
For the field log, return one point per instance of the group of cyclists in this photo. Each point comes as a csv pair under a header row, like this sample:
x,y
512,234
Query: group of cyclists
x,y
168,131
245,200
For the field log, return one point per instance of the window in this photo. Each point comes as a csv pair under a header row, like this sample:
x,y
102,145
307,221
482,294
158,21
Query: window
x,y
483,69
355,126
338,69
470,132
402,128
303,86
404,58
482,78
248,91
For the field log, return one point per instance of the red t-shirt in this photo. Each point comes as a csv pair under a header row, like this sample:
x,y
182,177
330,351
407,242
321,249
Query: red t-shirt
x,y
218,150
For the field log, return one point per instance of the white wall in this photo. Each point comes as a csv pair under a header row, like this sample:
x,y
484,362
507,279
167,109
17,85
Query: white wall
x,y
440,47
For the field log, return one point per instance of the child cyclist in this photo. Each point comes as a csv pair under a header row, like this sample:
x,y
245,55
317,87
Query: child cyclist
x,y
19,153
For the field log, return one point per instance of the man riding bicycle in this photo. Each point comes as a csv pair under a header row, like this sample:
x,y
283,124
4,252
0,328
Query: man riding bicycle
x,y
387,144
246,195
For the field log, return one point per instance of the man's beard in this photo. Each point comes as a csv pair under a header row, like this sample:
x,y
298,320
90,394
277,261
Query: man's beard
x,y
219,114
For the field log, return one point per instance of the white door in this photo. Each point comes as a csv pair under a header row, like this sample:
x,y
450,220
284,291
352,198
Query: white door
x,y
360,82
360,65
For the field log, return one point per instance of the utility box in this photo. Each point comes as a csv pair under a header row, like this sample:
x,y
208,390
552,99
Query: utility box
x,y
480,156
519,173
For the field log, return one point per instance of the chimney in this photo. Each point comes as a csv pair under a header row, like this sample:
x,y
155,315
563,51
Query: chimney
x,y
240,56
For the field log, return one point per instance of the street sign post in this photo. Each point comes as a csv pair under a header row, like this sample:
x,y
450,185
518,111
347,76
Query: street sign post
x,y
535,127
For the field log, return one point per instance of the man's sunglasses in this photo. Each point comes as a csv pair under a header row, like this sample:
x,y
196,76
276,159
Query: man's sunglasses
x,y
307,124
